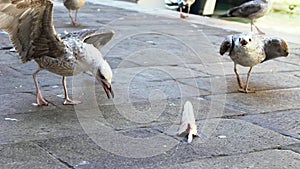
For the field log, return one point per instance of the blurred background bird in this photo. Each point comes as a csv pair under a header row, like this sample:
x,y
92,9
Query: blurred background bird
x,y
74,5
252,10
249,49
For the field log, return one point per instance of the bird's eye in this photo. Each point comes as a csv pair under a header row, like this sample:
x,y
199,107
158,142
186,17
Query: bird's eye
x,y
239,39
250,39
100,74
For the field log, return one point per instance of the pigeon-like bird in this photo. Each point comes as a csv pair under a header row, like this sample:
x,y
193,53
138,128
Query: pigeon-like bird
x,y
31,30
188,123
74,5
252,10
249,49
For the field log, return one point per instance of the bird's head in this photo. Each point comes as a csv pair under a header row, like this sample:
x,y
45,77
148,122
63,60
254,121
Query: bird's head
x,y
104,77
245,40
249,41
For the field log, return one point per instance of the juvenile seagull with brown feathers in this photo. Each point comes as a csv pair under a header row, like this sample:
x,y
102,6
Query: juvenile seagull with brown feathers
x,y
31,30
248,49
252,10
74,5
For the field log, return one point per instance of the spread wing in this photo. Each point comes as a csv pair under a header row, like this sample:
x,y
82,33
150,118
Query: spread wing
x,y
30,27
245,10
275,47
226,45
96,37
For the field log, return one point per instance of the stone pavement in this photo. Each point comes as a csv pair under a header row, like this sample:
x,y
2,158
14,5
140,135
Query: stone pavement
x,y
159,61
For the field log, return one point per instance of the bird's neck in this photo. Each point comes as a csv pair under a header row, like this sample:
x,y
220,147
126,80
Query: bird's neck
x,y
92,57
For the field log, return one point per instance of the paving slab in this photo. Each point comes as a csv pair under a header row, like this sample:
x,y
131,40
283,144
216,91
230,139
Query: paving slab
x,y
277,159
263,101
82,150
23,155
258,82
8,57
226,137
4,41
285,122
40,124
20,103
136,87
155,48
75,149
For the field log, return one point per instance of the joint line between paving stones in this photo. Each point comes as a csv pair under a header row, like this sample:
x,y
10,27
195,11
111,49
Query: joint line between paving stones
x,y
290,149
249,152
55,157
11,67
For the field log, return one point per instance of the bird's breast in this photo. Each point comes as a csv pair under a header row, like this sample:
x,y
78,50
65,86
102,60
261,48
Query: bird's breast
x,y
247,57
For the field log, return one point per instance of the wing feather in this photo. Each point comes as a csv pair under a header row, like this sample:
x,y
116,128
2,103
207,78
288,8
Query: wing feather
x,y
275,47
97,37
245,10
226,45
30,27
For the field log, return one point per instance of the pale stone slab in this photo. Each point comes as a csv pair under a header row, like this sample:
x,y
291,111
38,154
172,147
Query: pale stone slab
x,y
228,137
269,159
239,138
285,122
263,101
27,155
37,125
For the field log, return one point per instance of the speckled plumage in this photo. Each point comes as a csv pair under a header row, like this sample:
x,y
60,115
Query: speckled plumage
x,y
31,30
249,55
249,49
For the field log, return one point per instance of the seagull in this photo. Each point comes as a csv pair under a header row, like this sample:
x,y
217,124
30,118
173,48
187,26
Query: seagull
x,y
188,123
74,5
252,10
249,49
31,30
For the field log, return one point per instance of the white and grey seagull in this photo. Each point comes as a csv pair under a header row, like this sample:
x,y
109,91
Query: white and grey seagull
x,y
252,10
31,30
249,49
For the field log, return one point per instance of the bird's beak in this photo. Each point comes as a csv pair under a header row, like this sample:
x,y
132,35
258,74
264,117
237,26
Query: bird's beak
x,y
243,42
108,89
